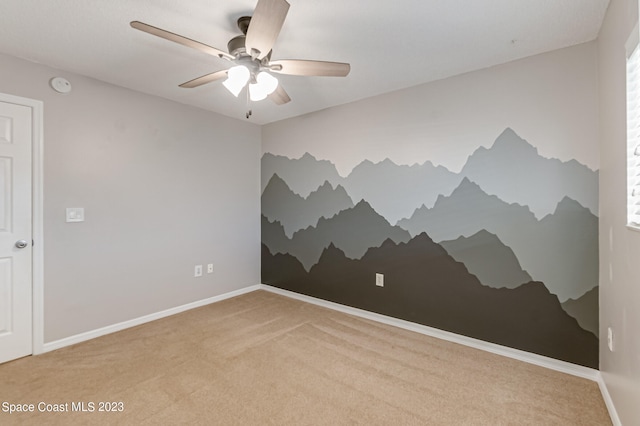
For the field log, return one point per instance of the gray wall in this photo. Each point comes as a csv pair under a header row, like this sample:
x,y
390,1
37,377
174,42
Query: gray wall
x,y
164,186
619,246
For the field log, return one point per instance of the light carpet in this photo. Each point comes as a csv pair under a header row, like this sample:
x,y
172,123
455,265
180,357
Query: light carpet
x,y
264,359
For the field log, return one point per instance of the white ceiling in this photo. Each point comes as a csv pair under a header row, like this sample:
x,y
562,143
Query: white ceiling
x,y
390,44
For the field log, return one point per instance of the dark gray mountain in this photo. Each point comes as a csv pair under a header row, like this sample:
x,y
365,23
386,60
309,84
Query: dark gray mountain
x,y
278,201
585,310
295,212
513,170
427,286
303,175
353,231
561,250
569,258
486,257
273,236
395,191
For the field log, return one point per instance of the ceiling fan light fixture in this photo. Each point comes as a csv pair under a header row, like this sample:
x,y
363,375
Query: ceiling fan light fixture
x,y
269,82
265,85
256,93
237,79
250,53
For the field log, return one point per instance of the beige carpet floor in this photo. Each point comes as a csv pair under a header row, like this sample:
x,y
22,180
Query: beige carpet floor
x,y
264,359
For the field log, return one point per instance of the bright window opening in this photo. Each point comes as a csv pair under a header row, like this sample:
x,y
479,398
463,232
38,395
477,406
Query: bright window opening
x,y
633,130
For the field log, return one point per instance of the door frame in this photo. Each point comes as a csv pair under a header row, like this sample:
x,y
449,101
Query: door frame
x,y
37,210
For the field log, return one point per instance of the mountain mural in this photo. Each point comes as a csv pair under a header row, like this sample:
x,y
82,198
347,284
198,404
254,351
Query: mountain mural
x,y
353,231
560,250
295,212
273,236
303,175
486,257
423,284
566,250
395,191
467,210
537,182
585,310
505,251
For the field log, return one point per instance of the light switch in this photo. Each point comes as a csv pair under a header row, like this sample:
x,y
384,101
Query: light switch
x,y
75,214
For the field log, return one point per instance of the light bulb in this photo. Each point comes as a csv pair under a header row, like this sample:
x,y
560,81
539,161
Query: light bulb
x,y
265,85
237,79
269,82
257,92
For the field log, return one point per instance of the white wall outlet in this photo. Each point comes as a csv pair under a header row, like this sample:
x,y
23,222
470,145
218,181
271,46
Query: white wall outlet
x,y
197,271
610,338
379,280
209,268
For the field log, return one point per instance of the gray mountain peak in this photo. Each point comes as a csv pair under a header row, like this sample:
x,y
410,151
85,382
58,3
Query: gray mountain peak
x,y
486,257
513,170
569,204
395,191
467,187
295,212
352,230
585,310
509,141
307,156
273,236
560,250
303,175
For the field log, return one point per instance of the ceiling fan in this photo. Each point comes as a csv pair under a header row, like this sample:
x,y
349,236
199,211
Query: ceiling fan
x,y
250,56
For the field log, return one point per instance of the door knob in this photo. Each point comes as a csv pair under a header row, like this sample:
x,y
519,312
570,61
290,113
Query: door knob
x,y
21,244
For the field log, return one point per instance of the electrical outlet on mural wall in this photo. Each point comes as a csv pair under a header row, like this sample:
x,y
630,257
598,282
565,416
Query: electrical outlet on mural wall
x,y
379,280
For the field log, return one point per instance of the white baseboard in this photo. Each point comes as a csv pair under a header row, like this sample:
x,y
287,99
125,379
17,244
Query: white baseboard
x,y
608,401
72,340
539,360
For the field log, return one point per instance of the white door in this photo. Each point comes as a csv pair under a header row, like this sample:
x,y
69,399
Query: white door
x,y
15,231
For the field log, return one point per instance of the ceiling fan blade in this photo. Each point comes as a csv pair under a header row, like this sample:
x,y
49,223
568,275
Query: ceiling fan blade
x,y
310,68
279,96
167,35
207,78
265,25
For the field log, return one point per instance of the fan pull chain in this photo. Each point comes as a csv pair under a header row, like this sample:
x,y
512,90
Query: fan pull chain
x,y
249,112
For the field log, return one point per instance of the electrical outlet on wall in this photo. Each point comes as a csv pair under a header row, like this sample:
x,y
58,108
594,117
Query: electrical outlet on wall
x,y
379,280
197,272
209,268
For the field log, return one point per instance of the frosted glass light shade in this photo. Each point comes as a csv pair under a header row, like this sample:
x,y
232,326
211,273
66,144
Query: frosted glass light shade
x,y
256,92
265,85
237,78
269,82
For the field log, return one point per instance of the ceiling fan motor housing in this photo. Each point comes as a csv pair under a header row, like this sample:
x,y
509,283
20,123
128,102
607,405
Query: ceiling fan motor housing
x,y
236,45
